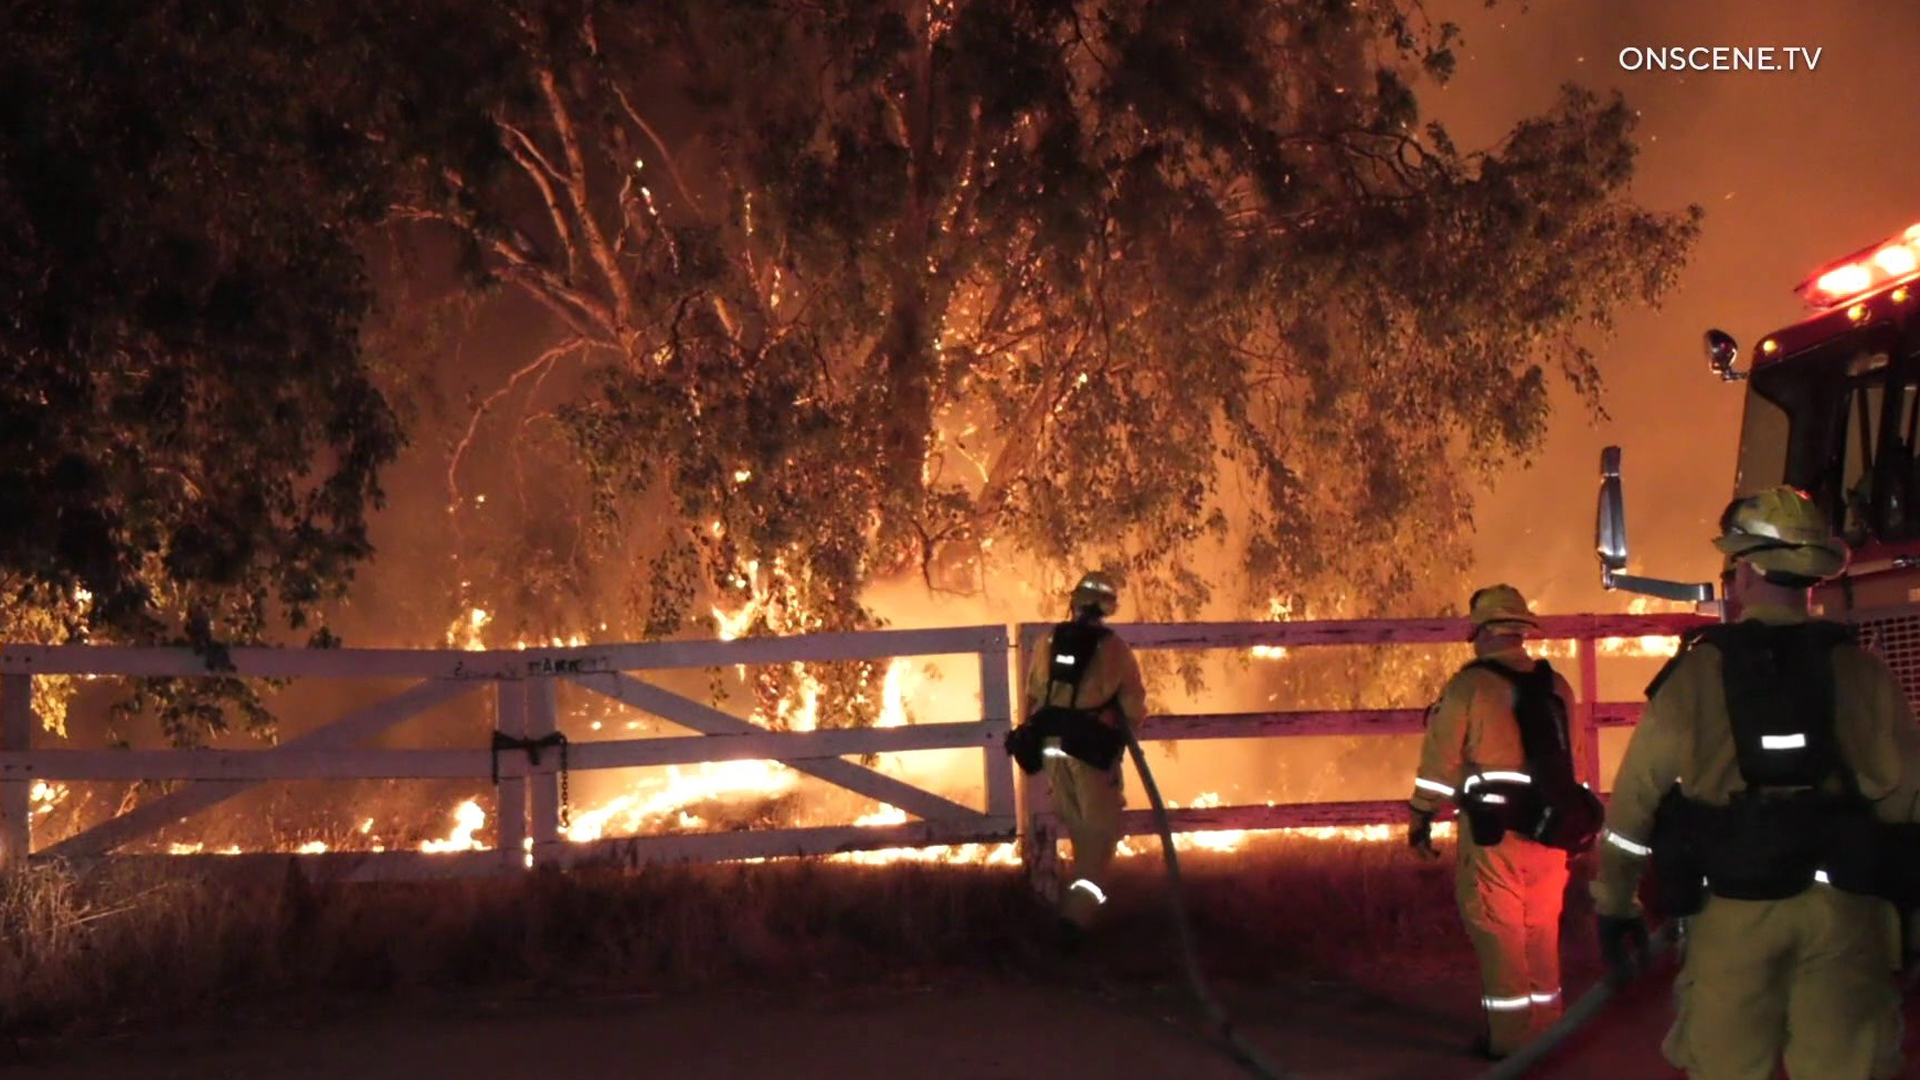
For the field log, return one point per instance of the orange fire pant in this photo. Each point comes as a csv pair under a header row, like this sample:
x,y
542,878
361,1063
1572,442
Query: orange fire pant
x,y
1510,896
1089,801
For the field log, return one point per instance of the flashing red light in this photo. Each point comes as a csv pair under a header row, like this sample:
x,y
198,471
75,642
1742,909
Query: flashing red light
x,y
1897,261
1870,268
1847,280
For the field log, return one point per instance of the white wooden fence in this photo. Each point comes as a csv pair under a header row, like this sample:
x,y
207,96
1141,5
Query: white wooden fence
x,y
524,683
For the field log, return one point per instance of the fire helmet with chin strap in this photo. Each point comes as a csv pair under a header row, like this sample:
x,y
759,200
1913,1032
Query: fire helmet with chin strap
x,y
1784,534
1096,591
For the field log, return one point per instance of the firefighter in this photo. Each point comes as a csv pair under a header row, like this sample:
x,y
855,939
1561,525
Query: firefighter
x,y
1509,886
1087,679
1768,749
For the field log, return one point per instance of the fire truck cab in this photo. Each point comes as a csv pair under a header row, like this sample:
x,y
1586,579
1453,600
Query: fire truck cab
x,y
1833,408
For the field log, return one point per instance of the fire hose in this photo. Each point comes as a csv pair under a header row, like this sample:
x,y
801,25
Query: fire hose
x,y
1515,1065
1245,1055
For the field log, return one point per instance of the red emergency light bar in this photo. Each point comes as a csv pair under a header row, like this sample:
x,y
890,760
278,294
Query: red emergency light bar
x,y
1871,268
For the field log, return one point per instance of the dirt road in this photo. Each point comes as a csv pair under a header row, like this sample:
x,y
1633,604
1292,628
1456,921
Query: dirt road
x,y
1321,1031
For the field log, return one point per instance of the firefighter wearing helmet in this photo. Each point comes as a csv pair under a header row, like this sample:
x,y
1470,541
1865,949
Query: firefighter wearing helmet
x,y
1083,685
1760,784
1498,744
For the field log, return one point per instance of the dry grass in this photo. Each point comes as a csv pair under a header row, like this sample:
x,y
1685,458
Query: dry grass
x,y
125,946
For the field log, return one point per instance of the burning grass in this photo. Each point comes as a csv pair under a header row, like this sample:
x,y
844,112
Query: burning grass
x,y
133,945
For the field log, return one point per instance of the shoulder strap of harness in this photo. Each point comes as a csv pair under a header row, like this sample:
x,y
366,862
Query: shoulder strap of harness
x,y
1779,689
1687,641
1542,717
1070,650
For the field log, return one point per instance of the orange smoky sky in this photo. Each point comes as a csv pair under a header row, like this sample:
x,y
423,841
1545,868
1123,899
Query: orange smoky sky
x,y
1794,169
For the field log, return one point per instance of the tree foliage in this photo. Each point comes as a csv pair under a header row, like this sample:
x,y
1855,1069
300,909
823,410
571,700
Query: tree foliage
x,y
875,287
839,291
189,436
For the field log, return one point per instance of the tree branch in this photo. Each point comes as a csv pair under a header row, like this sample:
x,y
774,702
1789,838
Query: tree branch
x,y
543,174
544,360
673,166
596,239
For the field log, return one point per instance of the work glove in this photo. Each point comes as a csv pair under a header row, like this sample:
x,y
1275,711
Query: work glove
x,y
1420,832
1623,942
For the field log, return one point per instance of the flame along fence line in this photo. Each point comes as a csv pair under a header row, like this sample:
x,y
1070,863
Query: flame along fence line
x,y
524,684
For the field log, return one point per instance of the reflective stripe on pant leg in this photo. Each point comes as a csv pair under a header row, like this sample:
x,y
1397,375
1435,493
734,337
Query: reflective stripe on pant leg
x,y
1065,794
1546,891
1491,906
1099,801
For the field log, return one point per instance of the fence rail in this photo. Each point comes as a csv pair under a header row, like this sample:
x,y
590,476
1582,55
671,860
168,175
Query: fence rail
x,y
523,685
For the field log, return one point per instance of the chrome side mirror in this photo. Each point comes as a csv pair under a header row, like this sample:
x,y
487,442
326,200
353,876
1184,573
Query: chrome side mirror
x,y
1722,353
1610,517
1610,543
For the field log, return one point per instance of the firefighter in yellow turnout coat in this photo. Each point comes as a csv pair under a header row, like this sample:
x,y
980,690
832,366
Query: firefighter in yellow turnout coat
x,y
1776,743
1509,892
1105,684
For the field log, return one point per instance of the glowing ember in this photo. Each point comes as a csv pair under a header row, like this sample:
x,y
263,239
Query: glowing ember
x,y
45,797
468,819
312,847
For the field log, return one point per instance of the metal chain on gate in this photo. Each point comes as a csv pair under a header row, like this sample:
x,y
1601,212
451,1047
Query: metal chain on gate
x,y
566,801
532,747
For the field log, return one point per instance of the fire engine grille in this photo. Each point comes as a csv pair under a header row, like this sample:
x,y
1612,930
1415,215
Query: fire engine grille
x,y
1897,641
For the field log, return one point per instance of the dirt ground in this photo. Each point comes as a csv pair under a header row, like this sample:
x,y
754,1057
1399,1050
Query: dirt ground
x,y
1071,1028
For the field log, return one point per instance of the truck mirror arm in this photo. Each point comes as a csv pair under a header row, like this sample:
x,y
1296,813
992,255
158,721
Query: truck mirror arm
x,y
1697,592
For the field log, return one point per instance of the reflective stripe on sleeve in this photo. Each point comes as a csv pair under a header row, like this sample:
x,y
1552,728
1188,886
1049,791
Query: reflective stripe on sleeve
x,y
1512,1004
1494,798
1495,776
1631,847
1435,786
1547,998
1795,741
1053,751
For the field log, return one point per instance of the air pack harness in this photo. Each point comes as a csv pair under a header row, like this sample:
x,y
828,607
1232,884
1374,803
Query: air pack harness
x,y
1082,733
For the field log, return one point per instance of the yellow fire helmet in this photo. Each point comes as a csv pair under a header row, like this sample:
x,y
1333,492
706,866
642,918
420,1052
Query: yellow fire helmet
x,y
1782,532
1096,590
1502,608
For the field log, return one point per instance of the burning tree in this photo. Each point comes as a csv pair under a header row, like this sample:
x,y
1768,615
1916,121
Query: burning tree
x,y
836,292
853,290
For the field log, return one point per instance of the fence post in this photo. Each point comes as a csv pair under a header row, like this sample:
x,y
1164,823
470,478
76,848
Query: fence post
x,y
996,707
1589,714
543,787
1039,843
510,798
16,735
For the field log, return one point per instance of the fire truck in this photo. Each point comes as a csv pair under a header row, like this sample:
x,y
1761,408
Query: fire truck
x,y
1832,408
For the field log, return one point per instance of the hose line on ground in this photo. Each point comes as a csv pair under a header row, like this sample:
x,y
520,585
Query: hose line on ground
x,y
1246,1056
1512,1067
